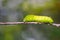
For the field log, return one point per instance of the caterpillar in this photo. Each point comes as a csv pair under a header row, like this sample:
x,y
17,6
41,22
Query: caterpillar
x,y
35,18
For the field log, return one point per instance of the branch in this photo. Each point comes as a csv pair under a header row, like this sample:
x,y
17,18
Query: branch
x,y
12,23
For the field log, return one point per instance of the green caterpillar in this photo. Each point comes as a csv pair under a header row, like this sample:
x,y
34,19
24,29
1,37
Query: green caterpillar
x,y
35,18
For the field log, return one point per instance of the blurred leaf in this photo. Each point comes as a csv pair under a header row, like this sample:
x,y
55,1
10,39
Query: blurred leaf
x,y
4,2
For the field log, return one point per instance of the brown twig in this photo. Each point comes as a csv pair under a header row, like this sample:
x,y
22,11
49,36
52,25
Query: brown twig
x,y
11,23
19,23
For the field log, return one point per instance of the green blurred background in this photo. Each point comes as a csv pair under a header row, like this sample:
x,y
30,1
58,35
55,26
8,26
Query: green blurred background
x,y
11,11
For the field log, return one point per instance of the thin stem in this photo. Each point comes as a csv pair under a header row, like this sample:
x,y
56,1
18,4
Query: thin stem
x,y
12,23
